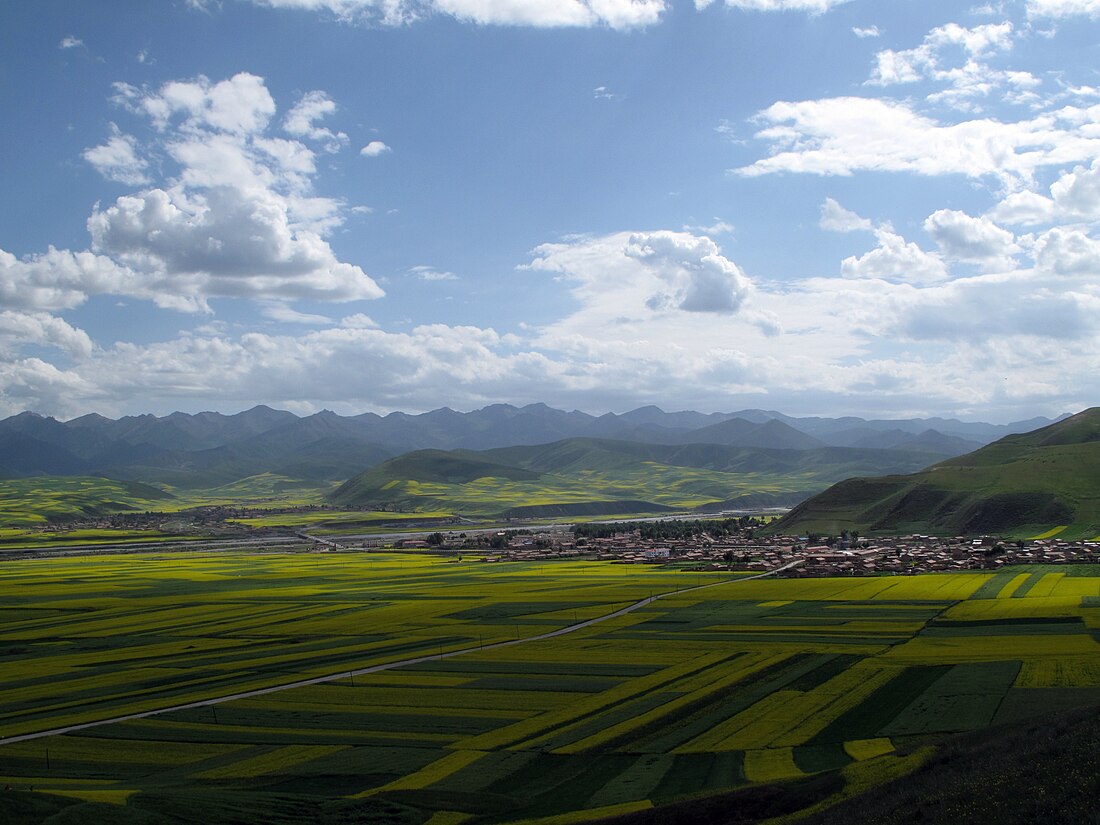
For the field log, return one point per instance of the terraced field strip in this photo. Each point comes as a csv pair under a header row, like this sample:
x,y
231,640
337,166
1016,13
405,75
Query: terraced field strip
x,y
1014,584
316,680
1049,534
453,762
718,679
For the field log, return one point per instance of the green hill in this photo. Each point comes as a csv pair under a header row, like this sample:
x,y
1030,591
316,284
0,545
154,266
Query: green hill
x,y
576,455
440,467
35,501
1022,485
583,476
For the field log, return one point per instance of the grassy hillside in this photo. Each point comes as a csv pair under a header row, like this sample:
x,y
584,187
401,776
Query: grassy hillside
x,y
30,501
583,475
594,454
1022,485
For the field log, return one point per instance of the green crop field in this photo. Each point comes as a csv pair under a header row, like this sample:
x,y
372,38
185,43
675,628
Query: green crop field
x,y
830,686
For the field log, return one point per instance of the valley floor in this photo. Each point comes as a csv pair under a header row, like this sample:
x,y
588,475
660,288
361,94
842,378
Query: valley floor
x,y
829,687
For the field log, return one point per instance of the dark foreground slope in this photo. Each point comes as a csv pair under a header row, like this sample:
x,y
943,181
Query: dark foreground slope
x,y
1045,770
1021,485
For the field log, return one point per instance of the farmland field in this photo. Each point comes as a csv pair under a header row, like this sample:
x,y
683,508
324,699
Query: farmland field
x,y
851,681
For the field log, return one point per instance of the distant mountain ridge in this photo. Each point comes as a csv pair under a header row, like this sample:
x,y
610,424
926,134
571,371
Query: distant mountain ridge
x,y
210,449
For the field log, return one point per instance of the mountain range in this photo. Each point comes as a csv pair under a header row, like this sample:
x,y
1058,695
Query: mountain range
x,y
209,449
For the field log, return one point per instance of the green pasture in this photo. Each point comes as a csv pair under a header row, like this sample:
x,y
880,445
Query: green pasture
x,y
830,685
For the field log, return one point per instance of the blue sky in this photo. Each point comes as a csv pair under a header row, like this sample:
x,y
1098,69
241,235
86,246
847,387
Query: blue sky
x,y
878,207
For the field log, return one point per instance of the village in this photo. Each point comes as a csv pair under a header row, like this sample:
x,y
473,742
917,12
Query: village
x,y
732,544
804,556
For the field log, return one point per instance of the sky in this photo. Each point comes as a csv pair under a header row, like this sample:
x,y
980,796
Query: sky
x,y
885,208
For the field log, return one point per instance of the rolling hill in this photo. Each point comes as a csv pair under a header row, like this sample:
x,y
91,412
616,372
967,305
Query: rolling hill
x,y
1023,485
584,476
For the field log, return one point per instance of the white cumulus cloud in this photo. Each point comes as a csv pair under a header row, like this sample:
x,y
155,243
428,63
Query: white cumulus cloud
x,y
895,259
638,274
1063,8
813,6
615,14
374,149
909,65
840,136
238,219
956,56
301,120
59,279
964,238
20,328
224,242
118,159
1066,251
1074,196
239,105
835,218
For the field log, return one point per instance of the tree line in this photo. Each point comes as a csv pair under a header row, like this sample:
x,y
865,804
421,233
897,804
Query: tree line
x,y
673,529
